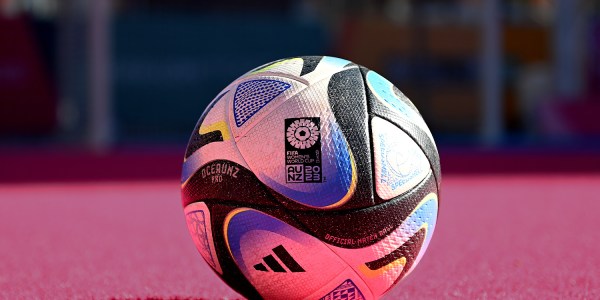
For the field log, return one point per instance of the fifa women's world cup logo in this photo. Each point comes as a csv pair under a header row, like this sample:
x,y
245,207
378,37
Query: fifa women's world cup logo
x,y
302,133
303,150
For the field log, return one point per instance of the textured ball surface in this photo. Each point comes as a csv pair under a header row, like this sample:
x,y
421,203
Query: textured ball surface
x,y
311,178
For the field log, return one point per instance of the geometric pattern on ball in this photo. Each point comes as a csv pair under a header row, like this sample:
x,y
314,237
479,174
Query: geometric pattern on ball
x,y
199,225
251,96
311,178
346,290
399,163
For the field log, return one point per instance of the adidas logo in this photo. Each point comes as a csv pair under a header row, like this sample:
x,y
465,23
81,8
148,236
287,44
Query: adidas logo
x,y
274,265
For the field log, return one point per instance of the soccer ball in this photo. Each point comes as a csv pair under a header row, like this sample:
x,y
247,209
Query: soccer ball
x,y
311,178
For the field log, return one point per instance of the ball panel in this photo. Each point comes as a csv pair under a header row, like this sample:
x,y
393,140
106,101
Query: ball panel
x,y
422,138
346,95
258,96
399,163
197,218
252,95
299,151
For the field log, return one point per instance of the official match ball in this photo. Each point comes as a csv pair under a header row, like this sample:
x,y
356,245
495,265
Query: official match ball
x,y
311,178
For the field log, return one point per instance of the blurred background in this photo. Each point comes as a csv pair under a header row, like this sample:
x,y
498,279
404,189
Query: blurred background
x,y
94,89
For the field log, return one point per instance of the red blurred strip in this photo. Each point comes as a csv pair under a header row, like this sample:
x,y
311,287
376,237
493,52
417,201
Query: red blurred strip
x,y
80,165
31,165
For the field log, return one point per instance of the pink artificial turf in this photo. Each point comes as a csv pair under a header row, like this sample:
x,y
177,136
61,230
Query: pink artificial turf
x,y
497,237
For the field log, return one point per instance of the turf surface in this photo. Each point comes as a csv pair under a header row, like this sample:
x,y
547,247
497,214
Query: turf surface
x,y
517,237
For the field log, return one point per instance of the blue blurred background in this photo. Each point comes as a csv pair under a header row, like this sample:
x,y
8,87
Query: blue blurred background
x,y
93,79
